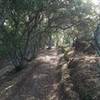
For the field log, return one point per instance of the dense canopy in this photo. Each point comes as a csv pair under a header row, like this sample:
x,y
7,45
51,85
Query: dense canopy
x,y
28,25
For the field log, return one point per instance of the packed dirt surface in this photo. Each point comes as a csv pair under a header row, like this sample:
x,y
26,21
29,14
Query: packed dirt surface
x,y
55,75
40,82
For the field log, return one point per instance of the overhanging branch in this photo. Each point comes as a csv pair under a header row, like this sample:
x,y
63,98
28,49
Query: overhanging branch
x,y
66,27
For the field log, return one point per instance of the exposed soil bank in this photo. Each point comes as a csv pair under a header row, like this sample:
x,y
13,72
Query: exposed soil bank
x,y
80,77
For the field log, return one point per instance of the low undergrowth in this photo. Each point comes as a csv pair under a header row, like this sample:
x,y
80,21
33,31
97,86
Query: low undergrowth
x,y
80,76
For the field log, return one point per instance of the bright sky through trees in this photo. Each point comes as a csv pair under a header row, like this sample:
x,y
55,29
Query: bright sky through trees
x,y
96,2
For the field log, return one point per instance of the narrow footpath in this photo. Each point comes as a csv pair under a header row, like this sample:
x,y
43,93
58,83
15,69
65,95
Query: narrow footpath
x,y
40,83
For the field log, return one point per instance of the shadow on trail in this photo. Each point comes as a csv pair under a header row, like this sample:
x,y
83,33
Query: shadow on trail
x,y
40,83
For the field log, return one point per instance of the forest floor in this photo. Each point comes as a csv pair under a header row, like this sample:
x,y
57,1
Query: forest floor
x,y
54,76
80,76
37,82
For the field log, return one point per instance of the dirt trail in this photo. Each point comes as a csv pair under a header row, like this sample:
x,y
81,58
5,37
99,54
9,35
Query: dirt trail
x,y
40,83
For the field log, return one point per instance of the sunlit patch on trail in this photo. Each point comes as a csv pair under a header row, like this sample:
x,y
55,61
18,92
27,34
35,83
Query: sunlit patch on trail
x,y
48,58
52,95
39,76
6,89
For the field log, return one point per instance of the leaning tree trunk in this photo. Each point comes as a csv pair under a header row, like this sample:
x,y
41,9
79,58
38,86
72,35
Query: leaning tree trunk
x,y
97,39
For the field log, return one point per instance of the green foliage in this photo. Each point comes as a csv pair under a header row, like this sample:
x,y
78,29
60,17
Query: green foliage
x,y
28,24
